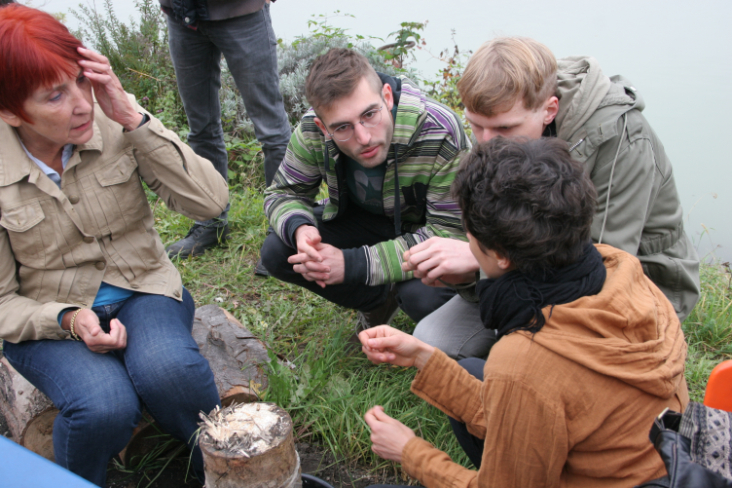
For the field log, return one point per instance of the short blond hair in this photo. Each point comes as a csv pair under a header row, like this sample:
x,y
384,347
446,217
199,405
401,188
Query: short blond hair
x,y
505,70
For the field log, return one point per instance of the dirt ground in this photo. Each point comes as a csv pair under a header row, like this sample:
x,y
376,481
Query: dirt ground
x,y
313,460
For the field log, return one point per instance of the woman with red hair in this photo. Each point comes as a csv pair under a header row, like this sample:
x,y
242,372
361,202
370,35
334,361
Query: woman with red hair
x,y
92,311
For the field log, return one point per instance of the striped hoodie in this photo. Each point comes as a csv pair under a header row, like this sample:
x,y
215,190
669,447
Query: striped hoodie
x,y
423,159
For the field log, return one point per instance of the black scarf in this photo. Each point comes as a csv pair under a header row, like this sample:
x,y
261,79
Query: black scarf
x,y
514,301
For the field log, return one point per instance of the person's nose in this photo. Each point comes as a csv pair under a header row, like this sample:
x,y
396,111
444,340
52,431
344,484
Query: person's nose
x,y
361,134
485,135
82,101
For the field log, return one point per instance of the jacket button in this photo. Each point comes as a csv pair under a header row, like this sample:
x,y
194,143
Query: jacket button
x,y
100,265
134,286
176,294
74,199
89,239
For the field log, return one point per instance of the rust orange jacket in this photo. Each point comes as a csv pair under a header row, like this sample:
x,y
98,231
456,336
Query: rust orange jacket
x,y
572,405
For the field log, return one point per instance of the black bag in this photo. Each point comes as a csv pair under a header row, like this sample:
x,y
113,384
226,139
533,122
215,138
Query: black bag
x,y
701,457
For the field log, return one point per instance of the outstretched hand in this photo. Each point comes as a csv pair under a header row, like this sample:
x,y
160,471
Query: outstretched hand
x,y
108,90
438,258
385,344
388,435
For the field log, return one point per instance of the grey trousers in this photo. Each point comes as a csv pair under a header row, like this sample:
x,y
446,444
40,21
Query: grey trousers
x,y
456,329
249,46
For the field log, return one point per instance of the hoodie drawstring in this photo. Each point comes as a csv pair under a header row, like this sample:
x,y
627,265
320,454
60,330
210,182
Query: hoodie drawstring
x,y
610,183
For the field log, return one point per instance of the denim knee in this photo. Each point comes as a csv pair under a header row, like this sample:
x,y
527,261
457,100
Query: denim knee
x,y
97,416
88,433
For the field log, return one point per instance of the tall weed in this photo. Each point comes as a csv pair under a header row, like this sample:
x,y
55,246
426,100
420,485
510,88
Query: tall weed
x,y
708,328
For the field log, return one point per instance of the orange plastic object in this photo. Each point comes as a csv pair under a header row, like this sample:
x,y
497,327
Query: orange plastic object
x,y
719,387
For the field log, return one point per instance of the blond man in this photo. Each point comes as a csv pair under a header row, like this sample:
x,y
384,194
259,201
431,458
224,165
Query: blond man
x,y
515,88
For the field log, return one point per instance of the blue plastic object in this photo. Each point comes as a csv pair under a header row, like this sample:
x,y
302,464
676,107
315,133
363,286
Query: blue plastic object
x,y
21,468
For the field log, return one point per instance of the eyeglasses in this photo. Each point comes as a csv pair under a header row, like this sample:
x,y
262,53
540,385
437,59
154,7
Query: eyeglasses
x,y
369,119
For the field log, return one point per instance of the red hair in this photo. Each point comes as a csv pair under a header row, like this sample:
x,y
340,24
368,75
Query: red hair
x,y
36,51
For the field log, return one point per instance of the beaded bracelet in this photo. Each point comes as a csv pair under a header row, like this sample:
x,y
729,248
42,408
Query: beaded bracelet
x,y
71,328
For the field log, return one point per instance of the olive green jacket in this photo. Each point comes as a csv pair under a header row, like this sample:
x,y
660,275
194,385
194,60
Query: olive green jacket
x,y
58,244
638,206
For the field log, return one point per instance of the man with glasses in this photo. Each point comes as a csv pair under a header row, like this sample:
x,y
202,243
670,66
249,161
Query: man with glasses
x,y
388,156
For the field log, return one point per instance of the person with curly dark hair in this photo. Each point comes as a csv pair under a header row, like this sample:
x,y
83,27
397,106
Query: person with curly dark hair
x,y
589,349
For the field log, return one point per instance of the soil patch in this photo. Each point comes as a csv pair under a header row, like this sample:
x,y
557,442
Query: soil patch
x,y
313,460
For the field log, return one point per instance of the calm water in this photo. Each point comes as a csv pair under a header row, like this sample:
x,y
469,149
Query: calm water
x,y
678,55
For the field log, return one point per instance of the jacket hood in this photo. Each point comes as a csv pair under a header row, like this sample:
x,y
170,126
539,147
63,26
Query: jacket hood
x,y
628,331
583,89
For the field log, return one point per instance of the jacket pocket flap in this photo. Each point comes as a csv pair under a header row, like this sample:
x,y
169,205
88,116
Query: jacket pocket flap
x,y
117,172
20,219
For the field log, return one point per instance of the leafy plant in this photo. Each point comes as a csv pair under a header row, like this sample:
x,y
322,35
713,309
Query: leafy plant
x,y
444,87
246,163
405,40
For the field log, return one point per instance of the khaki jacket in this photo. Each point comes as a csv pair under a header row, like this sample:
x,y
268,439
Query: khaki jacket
x,y
570,406
58,245
638,206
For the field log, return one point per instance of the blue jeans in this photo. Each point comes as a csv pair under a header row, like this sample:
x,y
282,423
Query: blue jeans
x,y
100,396
472,445
249,46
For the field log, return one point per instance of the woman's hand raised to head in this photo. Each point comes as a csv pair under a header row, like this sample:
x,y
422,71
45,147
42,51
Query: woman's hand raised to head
x,y
108,90
86,326
385,344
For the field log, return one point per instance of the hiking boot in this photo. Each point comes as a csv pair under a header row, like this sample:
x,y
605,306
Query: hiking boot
x,y
198,239
383,314
259,269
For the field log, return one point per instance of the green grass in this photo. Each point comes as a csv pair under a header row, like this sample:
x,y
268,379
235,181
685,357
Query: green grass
x,y
707,329
326,390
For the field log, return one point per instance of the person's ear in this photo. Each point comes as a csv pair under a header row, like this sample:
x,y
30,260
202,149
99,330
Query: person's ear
x,y
10,118
321,126
388,96
503,262
551,108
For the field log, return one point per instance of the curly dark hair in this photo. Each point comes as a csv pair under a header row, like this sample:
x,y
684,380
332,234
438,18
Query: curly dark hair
x,y
527,200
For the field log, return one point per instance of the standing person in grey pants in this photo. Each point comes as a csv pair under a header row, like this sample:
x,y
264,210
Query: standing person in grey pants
x,y
199,32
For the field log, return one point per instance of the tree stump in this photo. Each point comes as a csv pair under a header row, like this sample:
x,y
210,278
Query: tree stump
x,y
28,412
249,445
234,354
